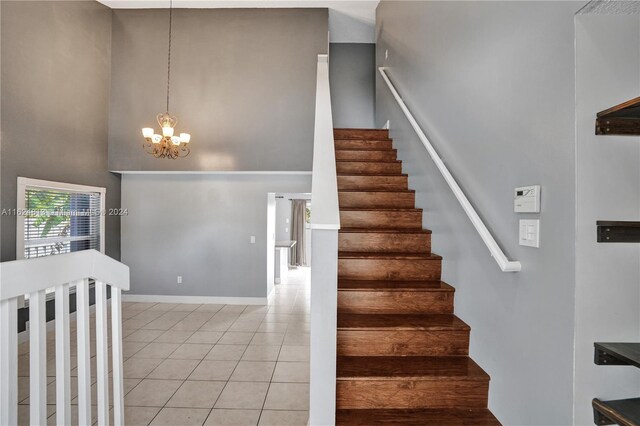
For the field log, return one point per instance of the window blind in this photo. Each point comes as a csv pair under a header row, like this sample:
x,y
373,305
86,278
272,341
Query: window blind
x,y
58,221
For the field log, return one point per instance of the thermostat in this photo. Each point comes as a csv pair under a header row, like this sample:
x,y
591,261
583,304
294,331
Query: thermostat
x,y
527,199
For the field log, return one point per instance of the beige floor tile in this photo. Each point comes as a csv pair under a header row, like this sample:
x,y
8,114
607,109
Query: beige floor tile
x,y
157,350
211,337
175,369
186,307
250,326
253,371
270,339
210,307
197,394
222,417
164,307
174,336
143,336
186,325
243,395
213,370
256,309
233,308
291,372
191,351
261,353
294,353
236,338
139,368
296,339
283,418
226,352
216,325
152,393
180,417
287,396
139,416
131,348
273,327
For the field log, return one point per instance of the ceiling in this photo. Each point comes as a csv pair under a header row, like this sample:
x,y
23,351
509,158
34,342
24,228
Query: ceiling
x,y
350,21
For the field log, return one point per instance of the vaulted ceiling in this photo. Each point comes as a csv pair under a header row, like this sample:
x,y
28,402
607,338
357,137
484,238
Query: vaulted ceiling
x,y
350,21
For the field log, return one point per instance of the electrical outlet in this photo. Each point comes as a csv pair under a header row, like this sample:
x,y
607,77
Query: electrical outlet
x,y
179,279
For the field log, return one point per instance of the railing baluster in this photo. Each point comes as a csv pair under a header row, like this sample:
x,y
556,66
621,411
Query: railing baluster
x,y
63,357
37,358
9,362
102,354
116,346
84,352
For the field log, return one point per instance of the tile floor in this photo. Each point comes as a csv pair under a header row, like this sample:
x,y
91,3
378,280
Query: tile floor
x,y
192,364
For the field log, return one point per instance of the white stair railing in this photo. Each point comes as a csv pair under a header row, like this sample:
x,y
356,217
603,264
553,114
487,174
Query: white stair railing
x,y
504,263
32,277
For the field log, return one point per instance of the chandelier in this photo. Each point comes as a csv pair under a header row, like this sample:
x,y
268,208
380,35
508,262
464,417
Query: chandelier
x,y
168,144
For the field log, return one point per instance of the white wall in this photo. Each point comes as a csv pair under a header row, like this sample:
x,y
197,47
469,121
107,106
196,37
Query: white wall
x,y
608,188
352,74
199,226
492,84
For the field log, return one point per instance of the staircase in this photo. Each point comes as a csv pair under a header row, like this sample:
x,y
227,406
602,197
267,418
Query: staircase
x,y
402,354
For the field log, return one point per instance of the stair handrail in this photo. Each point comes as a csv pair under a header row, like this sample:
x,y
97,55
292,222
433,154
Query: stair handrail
x,y
33,277
504,263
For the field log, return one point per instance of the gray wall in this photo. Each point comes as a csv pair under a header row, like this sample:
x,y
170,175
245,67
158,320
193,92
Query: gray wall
x,y
55,102
608,188
242,83
492,85
352,68
199,226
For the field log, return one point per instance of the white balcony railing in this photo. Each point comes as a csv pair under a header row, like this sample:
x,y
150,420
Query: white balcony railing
x,y
33,277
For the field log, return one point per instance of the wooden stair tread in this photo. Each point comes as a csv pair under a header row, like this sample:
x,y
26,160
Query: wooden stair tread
x,y
371,174
386,256
408,368
400,322
385,230
368,191
366,149
369,161
362,139
617,353
373,285
376,209
625,412
417,417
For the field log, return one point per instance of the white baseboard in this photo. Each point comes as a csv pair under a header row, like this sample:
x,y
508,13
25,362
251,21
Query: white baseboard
x,y
160,298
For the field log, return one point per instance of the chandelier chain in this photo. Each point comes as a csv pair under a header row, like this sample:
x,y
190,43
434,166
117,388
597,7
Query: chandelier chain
x,y
169,54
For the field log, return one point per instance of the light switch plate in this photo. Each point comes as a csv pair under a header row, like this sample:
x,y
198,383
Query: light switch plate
x,y
529,234
253,239
526,199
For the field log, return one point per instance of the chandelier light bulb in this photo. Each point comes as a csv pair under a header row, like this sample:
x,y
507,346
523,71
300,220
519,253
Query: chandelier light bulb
x,y
147,132
175,140
156,138
185,137
167,131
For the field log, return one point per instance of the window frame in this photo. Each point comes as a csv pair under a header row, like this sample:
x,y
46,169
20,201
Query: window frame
x,y
29,183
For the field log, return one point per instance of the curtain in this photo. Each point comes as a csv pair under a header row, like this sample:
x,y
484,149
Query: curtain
x,y
298,225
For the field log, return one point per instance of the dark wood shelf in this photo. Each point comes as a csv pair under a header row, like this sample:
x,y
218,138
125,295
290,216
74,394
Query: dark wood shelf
x,y
617,231
624,412
617,354
622,119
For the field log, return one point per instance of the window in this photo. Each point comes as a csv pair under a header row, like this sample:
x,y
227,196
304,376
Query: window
x,y
56,218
